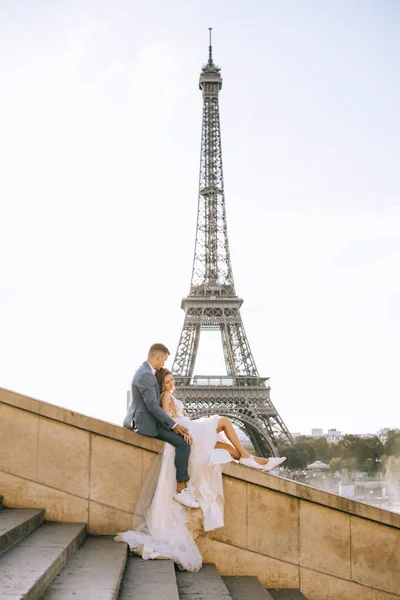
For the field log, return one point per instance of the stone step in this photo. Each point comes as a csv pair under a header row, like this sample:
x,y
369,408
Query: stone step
x,y
246,588
30,566
203,585
286,594
94,572
17,523
149,579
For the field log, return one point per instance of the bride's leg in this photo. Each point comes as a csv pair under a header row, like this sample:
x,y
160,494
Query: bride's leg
x,y
232,451
225,425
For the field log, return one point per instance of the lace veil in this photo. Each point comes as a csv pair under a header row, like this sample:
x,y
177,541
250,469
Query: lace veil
x,y
159,523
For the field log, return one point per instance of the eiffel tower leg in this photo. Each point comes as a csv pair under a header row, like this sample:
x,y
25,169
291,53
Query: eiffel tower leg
x,y
254,441
266,449
260,444
239,348
276,429
185,357
228,354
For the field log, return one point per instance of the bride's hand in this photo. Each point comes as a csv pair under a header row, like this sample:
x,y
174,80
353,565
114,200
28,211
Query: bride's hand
x,y
188,439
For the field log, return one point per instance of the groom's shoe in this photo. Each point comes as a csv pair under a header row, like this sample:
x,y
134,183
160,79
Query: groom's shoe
x,y
186,498
274,462
250,462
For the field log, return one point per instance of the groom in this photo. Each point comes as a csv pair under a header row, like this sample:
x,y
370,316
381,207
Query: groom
x,y
146,416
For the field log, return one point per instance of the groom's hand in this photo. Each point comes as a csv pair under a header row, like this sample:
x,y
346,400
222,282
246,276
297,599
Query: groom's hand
x,y
181,430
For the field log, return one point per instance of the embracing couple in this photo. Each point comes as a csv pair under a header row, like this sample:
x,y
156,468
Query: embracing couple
x,y
187,473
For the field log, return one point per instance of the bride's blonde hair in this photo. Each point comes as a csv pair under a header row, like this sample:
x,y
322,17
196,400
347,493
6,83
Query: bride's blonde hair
x,y
160,376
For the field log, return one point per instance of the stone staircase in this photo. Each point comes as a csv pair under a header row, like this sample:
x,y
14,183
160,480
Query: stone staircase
x,y
59,561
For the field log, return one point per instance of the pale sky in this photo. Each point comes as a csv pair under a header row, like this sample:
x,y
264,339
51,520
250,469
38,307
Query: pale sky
x,y
100,123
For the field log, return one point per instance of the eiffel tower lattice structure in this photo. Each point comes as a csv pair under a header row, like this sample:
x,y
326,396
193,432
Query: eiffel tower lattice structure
x,y
212,304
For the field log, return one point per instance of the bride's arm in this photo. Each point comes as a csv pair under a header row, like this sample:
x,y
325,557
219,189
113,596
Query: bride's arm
x,y
166,404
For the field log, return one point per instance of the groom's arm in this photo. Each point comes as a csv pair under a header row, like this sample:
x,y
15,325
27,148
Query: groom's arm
x,y
149,395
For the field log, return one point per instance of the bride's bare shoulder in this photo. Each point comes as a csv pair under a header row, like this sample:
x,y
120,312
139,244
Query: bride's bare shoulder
x,y
165,399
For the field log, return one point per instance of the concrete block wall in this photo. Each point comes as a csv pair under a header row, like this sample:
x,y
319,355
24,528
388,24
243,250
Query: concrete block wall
x,y
289,535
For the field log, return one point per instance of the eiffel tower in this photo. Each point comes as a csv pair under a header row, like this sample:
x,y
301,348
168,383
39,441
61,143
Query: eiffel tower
x,y
212,304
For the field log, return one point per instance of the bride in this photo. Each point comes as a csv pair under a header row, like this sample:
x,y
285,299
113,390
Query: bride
x,y
164,528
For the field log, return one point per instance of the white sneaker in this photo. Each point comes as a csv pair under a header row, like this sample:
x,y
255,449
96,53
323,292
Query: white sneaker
x,y
250,462
274,462
185,497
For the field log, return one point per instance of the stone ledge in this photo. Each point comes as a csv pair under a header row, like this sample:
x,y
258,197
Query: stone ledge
x,y
246,474
308,493
75,419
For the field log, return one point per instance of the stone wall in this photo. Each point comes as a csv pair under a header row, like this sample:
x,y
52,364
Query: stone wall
x,y
287,534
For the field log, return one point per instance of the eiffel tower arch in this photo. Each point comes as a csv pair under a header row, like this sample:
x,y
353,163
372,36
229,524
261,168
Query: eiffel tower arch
x,y
212,304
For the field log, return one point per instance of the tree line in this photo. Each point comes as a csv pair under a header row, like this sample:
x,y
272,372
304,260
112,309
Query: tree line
x,y
352,452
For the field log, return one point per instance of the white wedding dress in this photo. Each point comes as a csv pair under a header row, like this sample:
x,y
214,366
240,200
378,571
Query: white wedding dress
x,y
163,528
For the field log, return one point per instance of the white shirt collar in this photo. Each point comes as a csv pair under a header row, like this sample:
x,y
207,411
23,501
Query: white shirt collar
x,y
154,371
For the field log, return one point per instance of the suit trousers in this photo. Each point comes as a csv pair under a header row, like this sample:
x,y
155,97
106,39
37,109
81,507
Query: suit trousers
x,y
182,451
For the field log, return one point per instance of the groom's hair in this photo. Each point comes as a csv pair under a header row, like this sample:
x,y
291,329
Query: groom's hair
x,y
156,348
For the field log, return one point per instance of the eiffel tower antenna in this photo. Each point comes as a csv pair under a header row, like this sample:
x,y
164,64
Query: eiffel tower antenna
x,y
212,303
210,48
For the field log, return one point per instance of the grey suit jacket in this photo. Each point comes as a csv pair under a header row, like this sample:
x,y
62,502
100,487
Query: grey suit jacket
x,y
145,414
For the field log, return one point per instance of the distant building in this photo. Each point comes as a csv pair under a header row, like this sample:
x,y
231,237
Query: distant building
x,y
316,432
382,434
334,435
295,435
